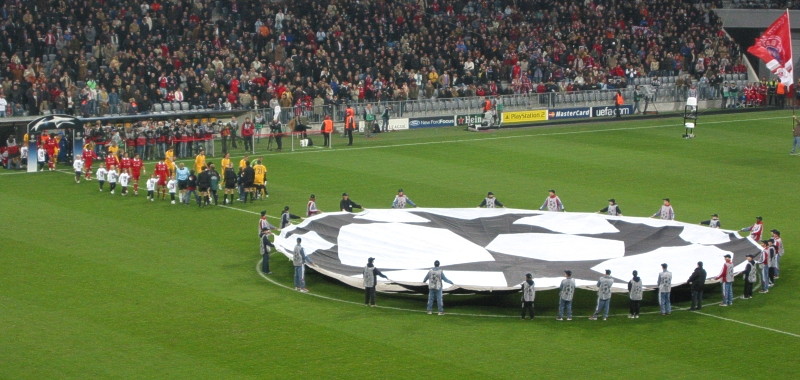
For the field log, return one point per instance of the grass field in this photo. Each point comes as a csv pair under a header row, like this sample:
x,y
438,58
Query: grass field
x,y
101,286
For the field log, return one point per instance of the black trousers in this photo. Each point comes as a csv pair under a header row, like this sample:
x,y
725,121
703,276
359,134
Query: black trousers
x,y
748,289
349,132
327,138
248,143
527,308
634,306
369,295
697,299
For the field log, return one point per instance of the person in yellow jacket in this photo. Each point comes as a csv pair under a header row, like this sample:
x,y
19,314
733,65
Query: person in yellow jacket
x,y
169,159
260,180
223,163
199,161
113,149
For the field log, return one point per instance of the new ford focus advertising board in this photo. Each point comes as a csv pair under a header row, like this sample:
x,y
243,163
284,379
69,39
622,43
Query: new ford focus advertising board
x,y
429,122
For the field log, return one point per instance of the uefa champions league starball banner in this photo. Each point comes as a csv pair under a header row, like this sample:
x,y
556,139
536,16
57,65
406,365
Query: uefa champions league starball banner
x,y
485,250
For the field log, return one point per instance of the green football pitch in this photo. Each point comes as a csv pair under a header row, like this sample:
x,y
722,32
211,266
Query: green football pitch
x,y
100,286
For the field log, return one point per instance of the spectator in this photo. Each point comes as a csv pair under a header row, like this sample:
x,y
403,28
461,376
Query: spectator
x,y
269,50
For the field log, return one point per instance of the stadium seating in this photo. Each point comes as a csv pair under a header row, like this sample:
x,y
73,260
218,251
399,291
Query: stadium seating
x,y
105,53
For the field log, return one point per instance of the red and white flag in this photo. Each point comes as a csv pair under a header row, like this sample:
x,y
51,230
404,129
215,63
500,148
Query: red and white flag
x,y
774,47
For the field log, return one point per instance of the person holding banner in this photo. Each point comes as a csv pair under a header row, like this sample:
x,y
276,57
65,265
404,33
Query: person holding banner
x,y
774,48
311,207
796,134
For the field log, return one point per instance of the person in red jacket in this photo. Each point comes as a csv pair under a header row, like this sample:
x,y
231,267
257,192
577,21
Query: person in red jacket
x,y
248,129
50,146
111,160
137,168
756,229
88,159
726,276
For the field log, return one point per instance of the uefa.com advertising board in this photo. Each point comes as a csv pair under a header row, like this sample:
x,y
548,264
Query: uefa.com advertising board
x,y
511,117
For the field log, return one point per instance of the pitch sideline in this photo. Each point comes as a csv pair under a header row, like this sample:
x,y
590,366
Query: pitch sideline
x,y
498,138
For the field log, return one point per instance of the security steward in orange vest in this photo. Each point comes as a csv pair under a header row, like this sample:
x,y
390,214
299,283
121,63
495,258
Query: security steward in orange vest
x,y
618,101
327,129
349,123
781,93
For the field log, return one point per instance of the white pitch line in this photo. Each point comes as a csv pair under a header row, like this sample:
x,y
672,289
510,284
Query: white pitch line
x,y
15,172
750,324
456,141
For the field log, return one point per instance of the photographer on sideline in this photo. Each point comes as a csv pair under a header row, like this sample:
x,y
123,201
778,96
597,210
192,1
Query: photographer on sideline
x,y
276,132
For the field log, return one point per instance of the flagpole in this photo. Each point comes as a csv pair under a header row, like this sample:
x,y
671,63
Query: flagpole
x,y
791,57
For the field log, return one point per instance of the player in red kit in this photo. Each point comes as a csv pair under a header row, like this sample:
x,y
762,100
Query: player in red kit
x,y
111,160
137,169
162,171
125,163
88,158
51,145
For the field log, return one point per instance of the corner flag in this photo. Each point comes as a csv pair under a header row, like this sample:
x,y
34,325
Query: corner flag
x,y
774,47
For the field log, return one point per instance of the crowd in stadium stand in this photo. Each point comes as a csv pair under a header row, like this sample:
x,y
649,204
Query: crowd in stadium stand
x,y
765,4
96,57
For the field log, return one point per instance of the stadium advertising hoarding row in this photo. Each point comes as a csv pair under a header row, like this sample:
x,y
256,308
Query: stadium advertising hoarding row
x,y
515,117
